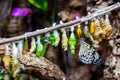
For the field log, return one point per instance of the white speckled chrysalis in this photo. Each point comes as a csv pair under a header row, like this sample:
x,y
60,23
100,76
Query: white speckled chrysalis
x,y
88,54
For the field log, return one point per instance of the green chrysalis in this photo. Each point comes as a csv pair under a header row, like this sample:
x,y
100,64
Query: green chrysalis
x,y
72,42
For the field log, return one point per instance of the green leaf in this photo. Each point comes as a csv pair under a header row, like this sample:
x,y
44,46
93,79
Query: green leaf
x,y
1,76
41,4
9,73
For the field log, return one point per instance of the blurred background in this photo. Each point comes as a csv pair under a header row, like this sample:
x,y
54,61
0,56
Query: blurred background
x,y
38,14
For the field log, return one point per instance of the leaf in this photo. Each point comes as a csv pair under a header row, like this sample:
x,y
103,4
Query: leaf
x,y
9,73
1,76
41,4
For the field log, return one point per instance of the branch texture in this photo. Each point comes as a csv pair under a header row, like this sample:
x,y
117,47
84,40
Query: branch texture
x,y
39,67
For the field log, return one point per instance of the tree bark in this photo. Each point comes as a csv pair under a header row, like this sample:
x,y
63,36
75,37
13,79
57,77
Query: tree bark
x,y
39,67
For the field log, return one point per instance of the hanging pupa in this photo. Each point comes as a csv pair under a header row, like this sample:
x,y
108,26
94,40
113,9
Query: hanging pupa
x,y
79,31
47,35
15,63
45,45
102,22
108,27
102,25
6,59
92,27
52,39
33,45
98,33
44,49
72,41
86,30
88,54
56,36
26,48
14,51
64,39
87,33
20,47
39,47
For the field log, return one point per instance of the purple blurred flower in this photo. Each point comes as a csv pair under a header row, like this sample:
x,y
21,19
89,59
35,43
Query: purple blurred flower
x,y
20,11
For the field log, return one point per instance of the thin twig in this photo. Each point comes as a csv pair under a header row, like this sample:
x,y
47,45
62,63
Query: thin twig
x,y
70,23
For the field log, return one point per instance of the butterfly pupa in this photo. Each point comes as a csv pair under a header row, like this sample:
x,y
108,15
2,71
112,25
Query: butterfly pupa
x,y
39,47
6,58
92,27
72,41
33,45
79,31
64,39
20,47
88,54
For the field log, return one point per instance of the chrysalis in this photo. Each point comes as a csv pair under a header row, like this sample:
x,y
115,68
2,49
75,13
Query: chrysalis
x,y
102,25
64,39
20,47
14,51
108,27
44,49
26,48
15,63
99,33
88,54
39,47
79,31
57,37
92,27
47,35
33,45
72,41
45,45
86,30
6,58
52,39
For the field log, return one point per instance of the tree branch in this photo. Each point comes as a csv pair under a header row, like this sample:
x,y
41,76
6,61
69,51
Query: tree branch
x,y
70,23
39,67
